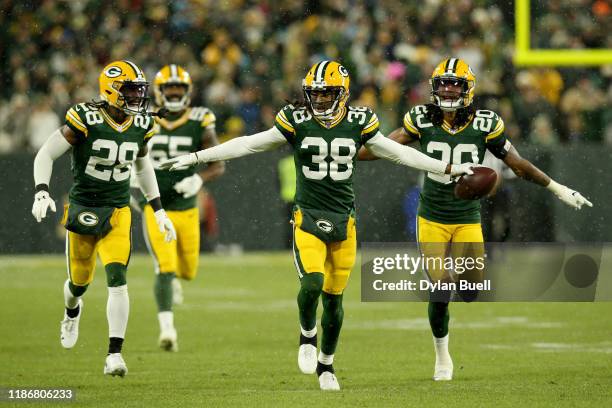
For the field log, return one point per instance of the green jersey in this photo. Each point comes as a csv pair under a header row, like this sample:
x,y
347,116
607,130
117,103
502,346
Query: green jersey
x,y
485,130
173,138
103,157
325,156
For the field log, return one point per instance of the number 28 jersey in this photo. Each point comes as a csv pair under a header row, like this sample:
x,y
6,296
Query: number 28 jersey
x,y
103,157
485,130
325,156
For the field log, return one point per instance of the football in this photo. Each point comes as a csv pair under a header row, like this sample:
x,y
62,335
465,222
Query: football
x,y
477,185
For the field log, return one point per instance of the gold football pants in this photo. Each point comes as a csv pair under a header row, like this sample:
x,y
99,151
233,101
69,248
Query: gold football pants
x,y
114,247
335,260
180,256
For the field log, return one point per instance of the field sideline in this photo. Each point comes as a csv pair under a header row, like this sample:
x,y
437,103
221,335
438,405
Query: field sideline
x,y
238,335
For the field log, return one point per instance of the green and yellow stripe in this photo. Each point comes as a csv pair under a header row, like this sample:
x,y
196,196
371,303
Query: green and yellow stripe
x,y
499,129
409,126
73,118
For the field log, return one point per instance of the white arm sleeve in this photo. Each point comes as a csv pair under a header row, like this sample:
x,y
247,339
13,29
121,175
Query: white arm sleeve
x,y
243,145
146,177
386,148
54,147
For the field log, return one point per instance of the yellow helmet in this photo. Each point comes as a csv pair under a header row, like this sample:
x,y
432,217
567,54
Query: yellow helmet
x,y
123,85
452,72
172,75
327,76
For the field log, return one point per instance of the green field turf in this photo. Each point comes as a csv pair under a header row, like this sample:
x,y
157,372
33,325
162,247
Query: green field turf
x,y
238,335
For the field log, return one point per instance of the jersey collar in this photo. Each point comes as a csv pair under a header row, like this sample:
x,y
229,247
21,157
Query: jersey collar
x,y
448,129
173,124
118,127
335,121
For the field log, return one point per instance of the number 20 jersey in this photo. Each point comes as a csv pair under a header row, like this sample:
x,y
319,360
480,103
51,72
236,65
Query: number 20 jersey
x,y
103,157
485,130
325,156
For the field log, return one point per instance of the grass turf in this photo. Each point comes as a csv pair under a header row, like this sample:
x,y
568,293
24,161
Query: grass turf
x,y
238,334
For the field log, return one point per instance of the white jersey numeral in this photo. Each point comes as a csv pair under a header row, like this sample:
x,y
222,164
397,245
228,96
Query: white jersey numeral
x,y
177,145
118,160
451,155
340,150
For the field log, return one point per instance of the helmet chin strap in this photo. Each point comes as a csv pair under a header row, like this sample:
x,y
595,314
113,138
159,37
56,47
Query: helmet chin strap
x,y
175,106
449,106
329,114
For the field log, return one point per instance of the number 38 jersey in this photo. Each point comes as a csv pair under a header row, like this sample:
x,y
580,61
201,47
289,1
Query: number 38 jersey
x,y
175,136
325,156
103,157
485,130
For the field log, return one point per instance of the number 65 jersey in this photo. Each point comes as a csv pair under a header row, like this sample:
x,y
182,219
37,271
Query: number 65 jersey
x,y
484,130
325,156
103,157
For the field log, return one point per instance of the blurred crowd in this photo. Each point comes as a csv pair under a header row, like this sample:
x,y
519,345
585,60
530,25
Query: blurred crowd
x,y
247,58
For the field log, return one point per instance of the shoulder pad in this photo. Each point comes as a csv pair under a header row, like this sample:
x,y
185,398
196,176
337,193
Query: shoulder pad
x,y
197,113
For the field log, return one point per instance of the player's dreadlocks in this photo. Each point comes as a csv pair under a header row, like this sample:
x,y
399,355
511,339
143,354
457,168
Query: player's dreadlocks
x,y
436,116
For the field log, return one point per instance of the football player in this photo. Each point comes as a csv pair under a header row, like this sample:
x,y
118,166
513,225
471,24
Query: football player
x,y
450,128
326,134
105,137
183,129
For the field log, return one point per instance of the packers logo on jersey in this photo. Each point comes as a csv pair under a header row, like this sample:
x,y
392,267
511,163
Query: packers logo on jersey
x,y
88,218
452,85
326,89
123,85
325,225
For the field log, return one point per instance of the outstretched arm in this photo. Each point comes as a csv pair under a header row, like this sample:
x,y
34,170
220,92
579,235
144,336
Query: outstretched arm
x,y
238,147
385,148
214,169
145,175
399,135
524,169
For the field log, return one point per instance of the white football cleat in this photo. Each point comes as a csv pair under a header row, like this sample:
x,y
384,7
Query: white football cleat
x,y
177,292
69,328
444,371
115,365
168,340
307,358
328,381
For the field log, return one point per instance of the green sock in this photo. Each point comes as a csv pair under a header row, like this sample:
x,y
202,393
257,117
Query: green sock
x,y
115,274
77,290
438,318
331,322
311,285
163,291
